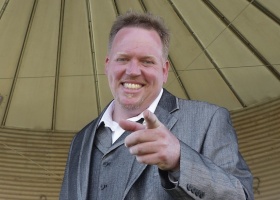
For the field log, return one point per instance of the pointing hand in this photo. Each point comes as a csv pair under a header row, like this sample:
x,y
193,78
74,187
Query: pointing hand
x,y
152,144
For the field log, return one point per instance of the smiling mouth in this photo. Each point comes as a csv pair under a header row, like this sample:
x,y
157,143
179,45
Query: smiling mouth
x,y
132,86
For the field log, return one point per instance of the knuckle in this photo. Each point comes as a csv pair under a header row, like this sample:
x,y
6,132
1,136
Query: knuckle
x,y
162,156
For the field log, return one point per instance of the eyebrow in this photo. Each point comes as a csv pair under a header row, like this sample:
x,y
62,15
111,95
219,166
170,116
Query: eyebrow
x,y
121,54
149,57
142,57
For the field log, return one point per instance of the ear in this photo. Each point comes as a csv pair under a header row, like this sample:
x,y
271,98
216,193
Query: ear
x,y
106,65
165,71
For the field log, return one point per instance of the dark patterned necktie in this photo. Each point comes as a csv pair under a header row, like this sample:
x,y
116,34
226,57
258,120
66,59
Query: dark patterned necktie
x,y
104,136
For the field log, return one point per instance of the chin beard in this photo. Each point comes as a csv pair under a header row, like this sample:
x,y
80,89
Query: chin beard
x,y
131,106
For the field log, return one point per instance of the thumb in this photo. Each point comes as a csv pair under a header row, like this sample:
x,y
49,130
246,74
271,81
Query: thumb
x,y
151,119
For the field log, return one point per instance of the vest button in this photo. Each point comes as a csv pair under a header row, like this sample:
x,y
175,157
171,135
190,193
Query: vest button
x,y
103,186
105,164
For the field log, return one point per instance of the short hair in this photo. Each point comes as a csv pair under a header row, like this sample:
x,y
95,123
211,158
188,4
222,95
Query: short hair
x,y
142,20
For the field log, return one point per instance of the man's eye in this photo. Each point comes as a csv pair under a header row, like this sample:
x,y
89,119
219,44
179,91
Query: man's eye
x,y
148,62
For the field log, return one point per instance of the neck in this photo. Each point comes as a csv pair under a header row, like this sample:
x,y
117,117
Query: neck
x,y
121,113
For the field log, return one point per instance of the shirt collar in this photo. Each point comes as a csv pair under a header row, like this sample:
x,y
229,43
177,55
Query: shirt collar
x,y
107,116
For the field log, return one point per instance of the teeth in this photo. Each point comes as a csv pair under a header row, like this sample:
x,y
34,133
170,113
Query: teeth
x,y
132,86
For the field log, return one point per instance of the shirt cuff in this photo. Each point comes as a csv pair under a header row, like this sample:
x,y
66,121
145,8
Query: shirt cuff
x,y
174,177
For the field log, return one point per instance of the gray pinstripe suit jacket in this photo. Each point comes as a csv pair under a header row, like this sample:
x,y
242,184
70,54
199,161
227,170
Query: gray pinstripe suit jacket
x,y
211,166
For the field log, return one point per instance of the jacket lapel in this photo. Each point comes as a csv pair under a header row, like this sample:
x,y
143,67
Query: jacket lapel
x,y
166,106
84,161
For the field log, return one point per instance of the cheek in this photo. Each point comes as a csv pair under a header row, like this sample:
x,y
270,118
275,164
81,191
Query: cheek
x,y
155,77
114,76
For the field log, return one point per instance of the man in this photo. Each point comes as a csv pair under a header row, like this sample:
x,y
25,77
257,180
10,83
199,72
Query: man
x,y
183,149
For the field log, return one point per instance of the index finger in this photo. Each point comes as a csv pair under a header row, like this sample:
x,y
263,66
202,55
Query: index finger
x,y
131,126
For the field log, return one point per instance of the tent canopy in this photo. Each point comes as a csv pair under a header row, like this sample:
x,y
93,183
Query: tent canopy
x,y
52,56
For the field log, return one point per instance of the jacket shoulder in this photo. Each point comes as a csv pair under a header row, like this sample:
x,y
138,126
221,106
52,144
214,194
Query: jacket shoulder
x,y
84,133
196,104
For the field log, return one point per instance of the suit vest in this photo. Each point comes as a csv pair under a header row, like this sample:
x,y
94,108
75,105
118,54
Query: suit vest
x,y
108,167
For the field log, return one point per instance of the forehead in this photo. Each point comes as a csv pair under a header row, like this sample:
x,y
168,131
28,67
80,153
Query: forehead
x,y
134,37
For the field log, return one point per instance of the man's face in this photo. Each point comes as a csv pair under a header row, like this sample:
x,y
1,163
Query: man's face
x,y
136,68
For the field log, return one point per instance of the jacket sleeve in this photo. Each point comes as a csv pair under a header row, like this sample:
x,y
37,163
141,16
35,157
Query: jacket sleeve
x,y
216,170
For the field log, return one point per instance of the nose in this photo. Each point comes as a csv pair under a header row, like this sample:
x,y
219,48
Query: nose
x,y
133,68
